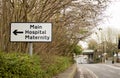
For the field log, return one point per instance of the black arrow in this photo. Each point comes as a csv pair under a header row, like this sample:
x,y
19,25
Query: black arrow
x,y
15,32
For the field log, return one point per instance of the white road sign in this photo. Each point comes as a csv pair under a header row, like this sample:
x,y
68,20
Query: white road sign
x,y
31,32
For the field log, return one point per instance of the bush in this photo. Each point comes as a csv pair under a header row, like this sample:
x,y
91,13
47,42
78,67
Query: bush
x,y
17,65
77,50
54,64
58,65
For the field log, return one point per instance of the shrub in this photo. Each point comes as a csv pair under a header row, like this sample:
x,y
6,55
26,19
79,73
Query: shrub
x,y
17,65
59,64
77,50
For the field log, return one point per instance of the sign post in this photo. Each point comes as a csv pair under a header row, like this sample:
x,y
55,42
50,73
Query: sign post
x,y
31,48
31,32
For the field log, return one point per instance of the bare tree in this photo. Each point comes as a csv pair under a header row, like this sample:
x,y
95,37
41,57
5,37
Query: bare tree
x,y
72,21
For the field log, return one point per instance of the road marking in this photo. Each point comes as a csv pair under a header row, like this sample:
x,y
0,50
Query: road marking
x,y
106,75
111,71
91,72
103,69
94,66
118,73
112,66
81,72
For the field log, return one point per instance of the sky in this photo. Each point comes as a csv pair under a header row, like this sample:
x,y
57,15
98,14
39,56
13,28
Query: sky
x,y
113,13
112,20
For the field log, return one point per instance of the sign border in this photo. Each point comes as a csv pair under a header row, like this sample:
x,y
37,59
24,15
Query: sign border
x,y
33,41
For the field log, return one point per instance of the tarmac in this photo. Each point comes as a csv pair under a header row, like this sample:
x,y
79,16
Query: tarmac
x,y
74,72
86,73
116,64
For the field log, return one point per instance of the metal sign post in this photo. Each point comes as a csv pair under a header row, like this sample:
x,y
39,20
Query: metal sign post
x,y
31,48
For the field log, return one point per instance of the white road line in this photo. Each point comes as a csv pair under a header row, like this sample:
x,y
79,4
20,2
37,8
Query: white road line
x,y
118,73
94,66
81,72
112,71
112,66
93,74
103,69
106,75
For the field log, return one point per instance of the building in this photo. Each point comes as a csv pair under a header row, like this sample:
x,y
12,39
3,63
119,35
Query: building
x,y
90,54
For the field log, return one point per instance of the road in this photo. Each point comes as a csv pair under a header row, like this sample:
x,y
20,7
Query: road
x,y
98,71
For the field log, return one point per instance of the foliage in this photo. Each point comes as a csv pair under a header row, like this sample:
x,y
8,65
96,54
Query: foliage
x,y
59,65
54,64
97,60
18,65
92,44
77,50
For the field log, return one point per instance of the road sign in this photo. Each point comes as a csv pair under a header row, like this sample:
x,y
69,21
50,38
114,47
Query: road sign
x,y
31,32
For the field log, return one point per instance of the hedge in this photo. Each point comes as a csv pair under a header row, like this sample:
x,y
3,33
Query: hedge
x,y
60,64
17,65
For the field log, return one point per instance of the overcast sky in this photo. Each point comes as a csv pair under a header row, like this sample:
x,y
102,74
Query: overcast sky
x,y
113,19
113,13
